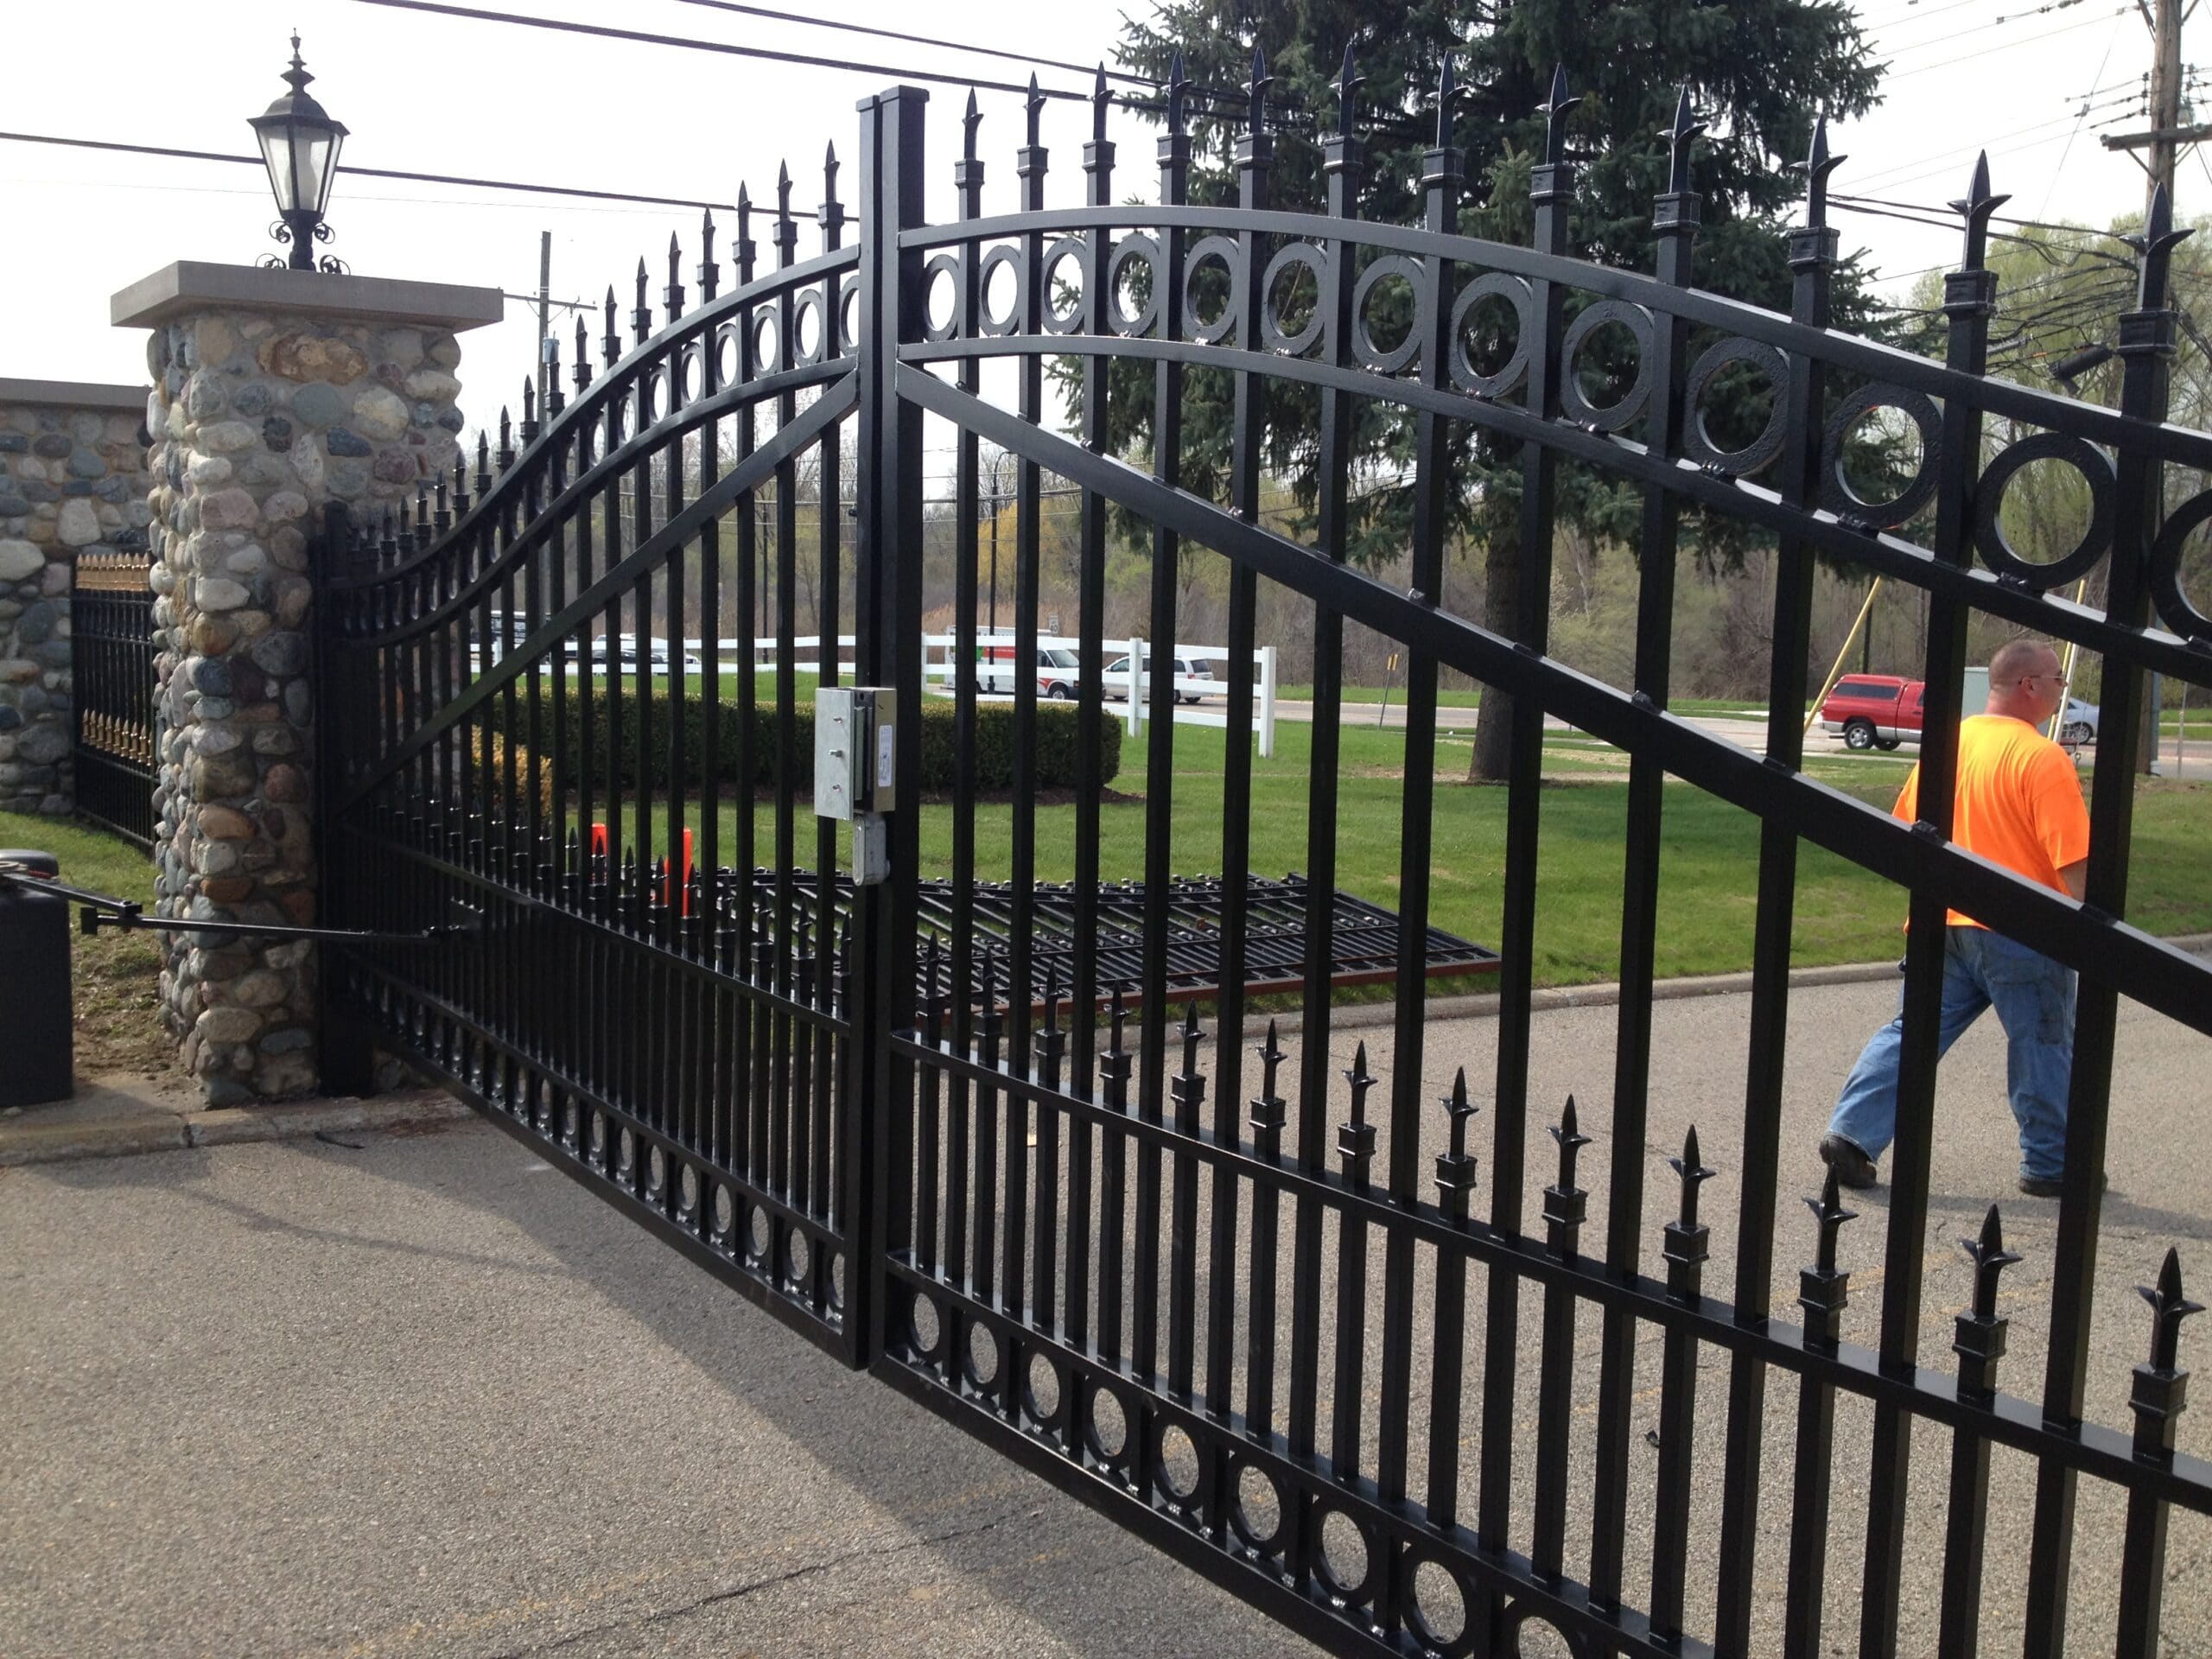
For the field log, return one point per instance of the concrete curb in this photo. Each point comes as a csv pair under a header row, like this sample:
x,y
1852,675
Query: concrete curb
x,y
156,1130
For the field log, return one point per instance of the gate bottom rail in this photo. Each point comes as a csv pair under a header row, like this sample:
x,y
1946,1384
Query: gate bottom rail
x,y
1283,1574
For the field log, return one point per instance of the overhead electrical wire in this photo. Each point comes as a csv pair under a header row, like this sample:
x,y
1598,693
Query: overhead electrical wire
x,y
2002,46
728,48
174,154
802,19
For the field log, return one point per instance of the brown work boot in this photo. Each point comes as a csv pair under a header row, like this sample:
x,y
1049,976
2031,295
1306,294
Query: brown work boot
x,y
1853,1167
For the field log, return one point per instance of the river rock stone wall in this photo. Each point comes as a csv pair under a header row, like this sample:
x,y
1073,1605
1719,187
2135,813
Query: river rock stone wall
x,y
259,421
72,481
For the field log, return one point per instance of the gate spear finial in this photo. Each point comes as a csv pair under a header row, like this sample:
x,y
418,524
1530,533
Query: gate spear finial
x,y
1555,110
1179,86
1349,82
2155,246
1816,166
1256,111
969,120
710,273
1979,202
1447,89
1033,107
1685,131
582,370
1100,99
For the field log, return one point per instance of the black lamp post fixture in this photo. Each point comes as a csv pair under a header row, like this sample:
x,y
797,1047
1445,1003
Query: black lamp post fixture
x,y
299,145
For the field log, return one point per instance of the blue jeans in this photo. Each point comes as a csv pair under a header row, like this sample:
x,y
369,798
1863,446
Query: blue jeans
x,y
2034,999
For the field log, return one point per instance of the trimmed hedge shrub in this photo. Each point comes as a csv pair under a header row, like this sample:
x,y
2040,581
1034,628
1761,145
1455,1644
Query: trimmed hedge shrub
x,y
1059,725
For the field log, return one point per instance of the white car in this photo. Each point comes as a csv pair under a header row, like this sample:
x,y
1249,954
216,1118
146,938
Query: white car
x,y
1187,668
2078,725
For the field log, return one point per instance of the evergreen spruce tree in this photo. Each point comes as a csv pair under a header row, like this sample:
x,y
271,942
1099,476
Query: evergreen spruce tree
x,y
1758,72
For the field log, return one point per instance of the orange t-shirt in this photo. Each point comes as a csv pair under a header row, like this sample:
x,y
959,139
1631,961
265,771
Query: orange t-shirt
x,y
2019,802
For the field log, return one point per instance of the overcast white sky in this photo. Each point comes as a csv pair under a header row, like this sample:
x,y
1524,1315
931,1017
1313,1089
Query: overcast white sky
x,y
439,94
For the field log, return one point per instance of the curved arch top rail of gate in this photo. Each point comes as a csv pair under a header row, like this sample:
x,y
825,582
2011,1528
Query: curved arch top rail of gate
x,y
1214,1283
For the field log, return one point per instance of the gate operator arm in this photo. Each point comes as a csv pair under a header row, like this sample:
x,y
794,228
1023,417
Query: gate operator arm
x,y
99,910
855,780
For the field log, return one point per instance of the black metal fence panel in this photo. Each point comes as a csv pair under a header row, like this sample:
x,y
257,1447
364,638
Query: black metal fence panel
x,y
111,641
1208,1279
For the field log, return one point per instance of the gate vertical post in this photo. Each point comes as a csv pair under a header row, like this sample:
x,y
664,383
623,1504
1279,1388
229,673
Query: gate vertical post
x,y
873,1130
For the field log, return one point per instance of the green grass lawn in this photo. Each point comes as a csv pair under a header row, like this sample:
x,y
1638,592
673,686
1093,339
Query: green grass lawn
x,y
113,976
1708,860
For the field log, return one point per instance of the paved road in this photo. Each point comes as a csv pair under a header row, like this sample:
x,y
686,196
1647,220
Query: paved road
x,y
420,1395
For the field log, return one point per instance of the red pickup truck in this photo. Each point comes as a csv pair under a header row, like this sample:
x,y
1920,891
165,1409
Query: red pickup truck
x,y
1875,711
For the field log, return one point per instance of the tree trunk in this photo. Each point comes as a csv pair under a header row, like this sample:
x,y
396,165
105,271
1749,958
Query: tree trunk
x,y
1494,719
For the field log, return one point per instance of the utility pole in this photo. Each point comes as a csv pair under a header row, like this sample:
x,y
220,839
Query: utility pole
x,y
544,311
2164,141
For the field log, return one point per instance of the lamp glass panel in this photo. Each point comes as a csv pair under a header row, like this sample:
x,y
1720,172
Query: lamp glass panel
x,y
276,156
312,151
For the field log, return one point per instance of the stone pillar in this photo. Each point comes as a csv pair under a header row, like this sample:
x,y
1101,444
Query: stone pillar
x,y
275,392
72,481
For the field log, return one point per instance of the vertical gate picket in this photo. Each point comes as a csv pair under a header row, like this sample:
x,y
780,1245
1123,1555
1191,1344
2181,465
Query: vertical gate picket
x,y
1675,219
1551,189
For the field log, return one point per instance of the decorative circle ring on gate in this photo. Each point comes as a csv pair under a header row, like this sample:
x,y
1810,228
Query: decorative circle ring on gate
x,y
1106,1424
1292,256
1408,270
1522,1614
768,343
947,266
1211,250
1436,1607
810,308
1256,1509
998,259
849,294
924,1327
2000,554
1836,493
2166,591
1041,1390
1344,1557
1490,285
1614,416
726,358
1697,439
1177,1468
1135,248
1075,249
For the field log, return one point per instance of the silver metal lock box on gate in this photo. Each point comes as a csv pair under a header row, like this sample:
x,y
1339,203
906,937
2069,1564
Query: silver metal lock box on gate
x,y
855,769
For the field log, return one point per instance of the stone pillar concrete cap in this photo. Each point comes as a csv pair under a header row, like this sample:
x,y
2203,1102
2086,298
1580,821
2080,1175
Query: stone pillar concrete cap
x,y
73,394
191,286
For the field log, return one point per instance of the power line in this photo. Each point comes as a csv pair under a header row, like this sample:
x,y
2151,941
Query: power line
x,y
2002,46
691,43
917,39
170,153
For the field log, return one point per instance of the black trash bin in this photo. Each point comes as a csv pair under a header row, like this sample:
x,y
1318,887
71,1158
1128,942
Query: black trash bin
x,y
37,1016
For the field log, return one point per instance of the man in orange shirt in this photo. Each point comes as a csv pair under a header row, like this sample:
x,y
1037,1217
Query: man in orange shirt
x,y
2019,804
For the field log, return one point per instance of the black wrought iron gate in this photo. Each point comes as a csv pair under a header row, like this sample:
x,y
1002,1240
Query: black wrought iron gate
x,y
112,687
1184,1270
